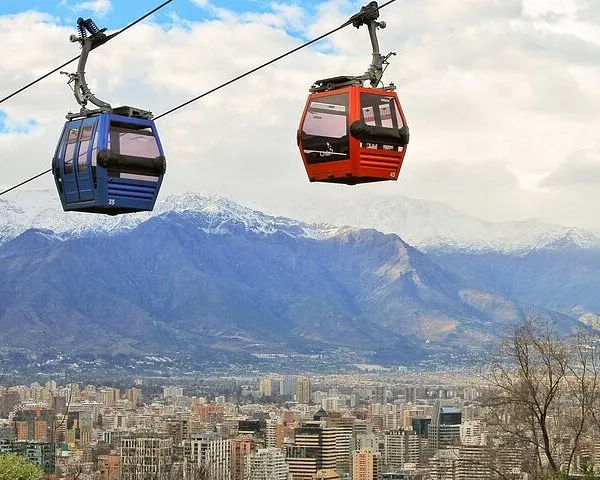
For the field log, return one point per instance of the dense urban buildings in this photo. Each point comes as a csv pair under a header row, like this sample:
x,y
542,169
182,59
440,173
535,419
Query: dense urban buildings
x,y
274,427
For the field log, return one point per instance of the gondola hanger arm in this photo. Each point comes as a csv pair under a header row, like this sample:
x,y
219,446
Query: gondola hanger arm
x,y
82,92
368,16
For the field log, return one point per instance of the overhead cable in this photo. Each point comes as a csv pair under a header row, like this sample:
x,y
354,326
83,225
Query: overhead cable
x,y
229,82
46,75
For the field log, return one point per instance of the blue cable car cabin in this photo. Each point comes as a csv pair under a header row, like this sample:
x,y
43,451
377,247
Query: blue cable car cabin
x,y
109,163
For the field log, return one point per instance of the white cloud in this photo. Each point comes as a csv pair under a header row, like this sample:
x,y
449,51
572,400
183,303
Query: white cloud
x,y
99,7
499,98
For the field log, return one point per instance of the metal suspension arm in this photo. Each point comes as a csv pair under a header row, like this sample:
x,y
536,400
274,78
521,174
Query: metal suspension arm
x,y
82,92
368,16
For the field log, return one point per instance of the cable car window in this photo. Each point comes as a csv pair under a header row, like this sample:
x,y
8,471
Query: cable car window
x,y
134,142
325,129
95,148
380,111
84,143
70,151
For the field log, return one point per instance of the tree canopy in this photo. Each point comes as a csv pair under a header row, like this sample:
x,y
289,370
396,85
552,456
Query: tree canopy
x,y
16,467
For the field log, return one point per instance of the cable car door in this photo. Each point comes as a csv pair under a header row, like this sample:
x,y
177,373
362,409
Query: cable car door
x,y
70,188
85,153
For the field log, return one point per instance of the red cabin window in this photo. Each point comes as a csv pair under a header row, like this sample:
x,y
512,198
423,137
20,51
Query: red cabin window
x,y
380,111
325,129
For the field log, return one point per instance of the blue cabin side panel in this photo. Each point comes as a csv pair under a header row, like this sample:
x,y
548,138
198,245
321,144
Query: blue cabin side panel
x,y
130,190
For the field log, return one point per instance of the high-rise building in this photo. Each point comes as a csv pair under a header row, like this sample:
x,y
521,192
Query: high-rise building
x,y
274,434
344,440
209,413
314,449
331,404
134,395
266,464
35,425
78,428
178,429
265,386
416,411
172,392
400,447
110,396
212,454
145,457
302,461
365,440
288,386
444,464
379,395
473,462
241,447
109,466
444,429
410,394
471,433
303,391
8,401
366,465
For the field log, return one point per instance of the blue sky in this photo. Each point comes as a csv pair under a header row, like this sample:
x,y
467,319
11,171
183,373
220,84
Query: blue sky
x,y
122,12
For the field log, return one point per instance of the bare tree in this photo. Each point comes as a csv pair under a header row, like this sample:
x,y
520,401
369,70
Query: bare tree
x,y
544,398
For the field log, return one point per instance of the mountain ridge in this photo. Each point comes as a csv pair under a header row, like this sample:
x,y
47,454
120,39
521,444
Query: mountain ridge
x,y
426,225
172,283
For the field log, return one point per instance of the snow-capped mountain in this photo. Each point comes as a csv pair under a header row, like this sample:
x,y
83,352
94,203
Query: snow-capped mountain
x,y
424,224
203,281
41,209
432,225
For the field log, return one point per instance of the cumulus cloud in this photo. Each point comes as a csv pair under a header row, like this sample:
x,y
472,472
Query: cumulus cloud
x,y
99,7
498,96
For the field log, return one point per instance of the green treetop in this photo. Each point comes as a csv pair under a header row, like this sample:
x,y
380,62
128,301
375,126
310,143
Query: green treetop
x,y
16,467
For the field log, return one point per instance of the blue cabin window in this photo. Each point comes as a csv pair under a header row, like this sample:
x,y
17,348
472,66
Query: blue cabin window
x,y
84,143
136,142
70,150
95,148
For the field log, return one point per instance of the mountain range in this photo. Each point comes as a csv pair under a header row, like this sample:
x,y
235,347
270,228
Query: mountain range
x,y
204,276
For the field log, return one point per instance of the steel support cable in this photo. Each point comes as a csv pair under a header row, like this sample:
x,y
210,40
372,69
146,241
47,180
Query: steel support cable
x,y
110,37
219,87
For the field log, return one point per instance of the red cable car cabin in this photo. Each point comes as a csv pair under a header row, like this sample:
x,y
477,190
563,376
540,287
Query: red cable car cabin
x,y
353,135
